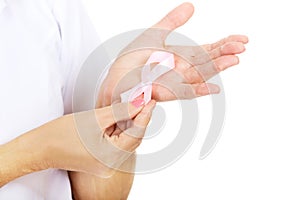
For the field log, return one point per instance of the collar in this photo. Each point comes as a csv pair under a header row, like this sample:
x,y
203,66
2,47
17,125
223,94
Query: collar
x,y
2,5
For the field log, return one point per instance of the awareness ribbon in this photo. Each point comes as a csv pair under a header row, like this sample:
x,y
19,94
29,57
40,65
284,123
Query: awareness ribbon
x,y
165,62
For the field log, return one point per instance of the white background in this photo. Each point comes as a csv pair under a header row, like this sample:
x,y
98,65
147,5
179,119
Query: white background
x,y
259,152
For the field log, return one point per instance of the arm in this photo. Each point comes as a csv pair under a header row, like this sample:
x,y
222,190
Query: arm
x,y
189,84
85,186
57,144
20,157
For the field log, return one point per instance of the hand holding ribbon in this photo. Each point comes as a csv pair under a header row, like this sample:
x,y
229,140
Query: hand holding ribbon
x,y
165,62
193,65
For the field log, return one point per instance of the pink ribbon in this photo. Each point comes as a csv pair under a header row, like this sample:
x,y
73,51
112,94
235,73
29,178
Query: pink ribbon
x,y
165,62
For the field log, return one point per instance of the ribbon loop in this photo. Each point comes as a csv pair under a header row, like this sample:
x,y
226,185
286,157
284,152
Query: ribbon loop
x,y
165,62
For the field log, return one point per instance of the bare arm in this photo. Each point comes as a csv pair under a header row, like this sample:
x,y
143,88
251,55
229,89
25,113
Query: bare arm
x,y
52,145
17,158
85,186
192,76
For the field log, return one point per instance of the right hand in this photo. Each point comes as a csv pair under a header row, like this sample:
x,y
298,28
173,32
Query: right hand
x,y
73,150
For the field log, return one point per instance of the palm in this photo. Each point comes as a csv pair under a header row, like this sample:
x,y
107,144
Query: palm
x,y
194,65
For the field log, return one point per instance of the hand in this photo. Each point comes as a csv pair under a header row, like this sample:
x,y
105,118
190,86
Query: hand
x,y
96,148
82,142
194,65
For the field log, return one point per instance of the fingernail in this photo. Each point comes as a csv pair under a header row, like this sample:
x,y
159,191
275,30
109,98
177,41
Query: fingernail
x,y
138,103
228,62
213,89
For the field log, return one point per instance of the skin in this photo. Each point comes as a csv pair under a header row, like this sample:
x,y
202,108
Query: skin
x,y
194,65
193,68
43,147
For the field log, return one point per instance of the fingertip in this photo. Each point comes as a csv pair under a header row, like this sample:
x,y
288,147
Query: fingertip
x,y
189,5
237,60
232,60
241,47
246,39
138,103
225,62
149,107
128,110
214,89
177,17
208,88
143,118
232,48
152,103
187,10
239,38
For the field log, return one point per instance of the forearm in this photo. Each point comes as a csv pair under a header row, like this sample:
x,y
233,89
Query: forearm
x,y
85,186
20,157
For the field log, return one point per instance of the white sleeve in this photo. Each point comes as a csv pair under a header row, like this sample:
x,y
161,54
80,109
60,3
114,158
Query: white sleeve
x,y
78,40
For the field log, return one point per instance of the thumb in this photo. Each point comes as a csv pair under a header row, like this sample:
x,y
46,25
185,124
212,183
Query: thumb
x,y
176,18
155,36
110,115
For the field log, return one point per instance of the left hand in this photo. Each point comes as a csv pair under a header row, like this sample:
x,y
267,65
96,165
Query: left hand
x,y
194,65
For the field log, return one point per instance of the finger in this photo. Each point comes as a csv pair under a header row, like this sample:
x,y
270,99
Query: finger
x,y
186,91
232,38
120,127
116,132
130,139
229,48
197,55
208,70
204,89
110,130
108,116
155,36
143,118
191,91
176,18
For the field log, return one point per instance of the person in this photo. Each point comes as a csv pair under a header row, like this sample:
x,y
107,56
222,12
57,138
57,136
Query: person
x,y
43,45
